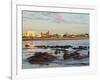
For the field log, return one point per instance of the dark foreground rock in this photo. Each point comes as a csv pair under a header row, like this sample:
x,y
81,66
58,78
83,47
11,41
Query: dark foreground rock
x,y
27,45
41,58
66,55
75,55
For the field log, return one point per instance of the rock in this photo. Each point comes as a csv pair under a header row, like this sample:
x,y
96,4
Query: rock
x,y
67,46
66,55
27,45
74,48
41,58
42,46
60,46
88,53
57,51
82,47
76,56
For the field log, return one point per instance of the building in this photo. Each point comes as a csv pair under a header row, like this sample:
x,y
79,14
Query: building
x,y
29,34
45,35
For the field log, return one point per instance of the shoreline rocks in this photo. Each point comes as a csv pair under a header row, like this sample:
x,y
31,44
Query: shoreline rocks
x,y
45,57
55,46
27,45
66,56
75,55
41,58
80,47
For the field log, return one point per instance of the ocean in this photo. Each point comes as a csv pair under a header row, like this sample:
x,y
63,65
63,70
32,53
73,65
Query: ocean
x,y
59,62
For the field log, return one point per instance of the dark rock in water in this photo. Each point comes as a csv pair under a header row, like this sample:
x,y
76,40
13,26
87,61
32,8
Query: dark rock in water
x,y
67,46
74,48
66,55
60,46
82,47
42,46
57,51
41,58
88,53
76,56
27,45
54,46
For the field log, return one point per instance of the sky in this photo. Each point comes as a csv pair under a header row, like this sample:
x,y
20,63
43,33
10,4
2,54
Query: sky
x,y
55,22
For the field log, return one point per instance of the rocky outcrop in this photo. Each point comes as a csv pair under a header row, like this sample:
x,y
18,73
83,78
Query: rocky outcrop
x,y
27,45
55,46
74,55
41,58
81,47
66,55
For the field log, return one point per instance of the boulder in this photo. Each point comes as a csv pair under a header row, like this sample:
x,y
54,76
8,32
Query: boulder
x,y
66,55
82,47
88,53
57,51
27,45
41,58
76,56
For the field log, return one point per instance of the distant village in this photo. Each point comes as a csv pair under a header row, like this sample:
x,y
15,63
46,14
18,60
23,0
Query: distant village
x,y
29,35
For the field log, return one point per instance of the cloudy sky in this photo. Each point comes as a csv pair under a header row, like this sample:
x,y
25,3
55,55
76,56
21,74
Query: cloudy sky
x,y
55,22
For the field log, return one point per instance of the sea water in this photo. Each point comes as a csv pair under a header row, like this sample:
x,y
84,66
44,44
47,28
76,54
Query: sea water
x,y
60,62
